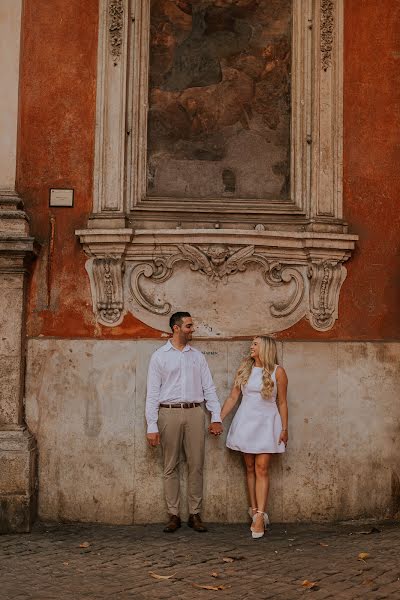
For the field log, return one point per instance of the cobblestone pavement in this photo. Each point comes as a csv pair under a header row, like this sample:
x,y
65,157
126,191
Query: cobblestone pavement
x,y
96,562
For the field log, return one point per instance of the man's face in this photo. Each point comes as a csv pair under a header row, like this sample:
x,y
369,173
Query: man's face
x,y
186,329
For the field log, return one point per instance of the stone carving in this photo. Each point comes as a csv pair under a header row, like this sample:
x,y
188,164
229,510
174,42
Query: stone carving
x,y
327,32
217,262
109,300
278,275
275,279
326,279
115,27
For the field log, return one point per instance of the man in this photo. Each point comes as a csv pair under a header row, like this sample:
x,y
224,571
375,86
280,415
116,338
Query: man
x,y
178,382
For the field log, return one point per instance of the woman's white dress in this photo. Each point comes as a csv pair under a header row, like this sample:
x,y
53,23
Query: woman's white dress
x,y
257,425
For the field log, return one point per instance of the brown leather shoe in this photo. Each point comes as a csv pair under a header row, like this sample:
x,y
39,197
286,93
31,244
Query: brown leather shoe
x,y
196,523
173,524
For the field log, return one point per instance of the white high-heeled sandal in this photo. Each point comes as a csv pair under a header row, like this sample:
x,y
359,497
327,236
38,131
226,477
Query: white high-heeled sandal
x,y
259,534
253,515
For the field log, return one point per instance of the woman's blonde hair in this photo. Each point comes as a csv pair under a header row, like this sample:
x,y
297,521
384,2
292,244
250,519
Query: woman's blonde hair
x,y
268,357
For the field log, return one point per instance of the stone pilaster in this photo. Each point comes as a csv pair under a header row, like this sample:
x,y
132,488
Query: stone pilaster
x,y
17,445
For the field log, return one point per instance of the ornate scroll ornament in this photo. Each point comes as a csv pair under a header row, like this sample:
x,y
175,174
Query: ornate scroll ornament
x,y
115,27
327,32
326,279
109,300
217,262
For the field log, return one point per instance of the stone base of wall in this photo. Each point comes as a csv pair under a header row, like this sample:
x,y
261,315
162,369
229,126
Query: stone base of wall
x,y
17,481
85,405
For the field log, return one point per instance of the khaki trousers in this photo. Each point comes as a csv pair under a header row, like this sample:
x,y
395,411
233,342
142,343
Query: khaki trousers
x,y
182,427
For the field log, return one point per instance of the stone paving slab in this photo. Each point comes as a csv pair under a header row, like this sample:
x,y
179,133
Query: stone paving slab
x,y
115,563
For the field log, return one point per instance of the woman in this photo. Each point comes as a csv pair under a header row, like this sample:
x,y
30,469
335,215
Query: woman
x,y
260,426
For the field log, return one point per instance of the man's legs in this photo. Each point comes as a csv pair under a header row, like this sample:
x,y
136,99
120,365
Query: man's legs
x,y
193,443
171,424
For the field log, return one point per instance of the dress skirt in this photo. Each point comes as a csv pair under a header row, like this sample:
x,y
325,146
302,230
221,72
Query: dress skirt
x,y
257,425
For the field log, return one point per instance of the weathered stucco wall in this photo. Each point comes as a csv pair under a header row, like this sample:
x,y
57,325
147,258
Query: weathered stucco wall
x,y
85,404
85,395
56,149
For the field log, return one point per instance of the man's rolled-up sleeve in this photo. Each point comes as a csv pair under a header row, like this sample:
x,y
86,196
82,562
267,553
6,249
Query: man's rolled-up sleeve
x,y
153,394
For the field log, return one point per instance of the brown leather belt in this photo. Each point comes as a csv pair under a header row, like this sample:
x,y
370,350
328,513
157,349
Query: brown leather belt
x,y
181,405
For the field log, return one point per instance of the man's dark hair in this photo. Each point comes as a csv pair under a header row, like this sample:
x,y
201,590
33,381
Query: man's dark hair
x,y
176,318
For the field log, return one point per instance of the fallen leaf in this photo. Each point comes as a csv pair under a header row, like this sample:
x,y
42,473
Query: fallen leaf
x,y
324,545
84,545
371,531
363,556
230,559
309,584
66,563
214,574
214,588
156,576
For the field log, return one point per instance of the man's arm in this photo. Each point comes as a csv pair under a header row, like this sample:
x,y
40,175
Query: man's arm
x,y
211,398
152,400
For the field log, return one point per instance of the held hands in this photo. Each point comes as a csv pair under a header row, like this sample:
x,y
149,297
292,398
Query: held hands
x,y
284,437
153,439
215,428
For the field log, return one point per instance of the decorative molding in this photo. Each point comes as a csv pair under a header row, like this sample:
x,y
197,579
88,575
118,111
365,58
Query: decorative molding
x,y
108,290
217,262
111,113
115,28
316,162
17,247
326,279
278,277
327,32
327,114
222,209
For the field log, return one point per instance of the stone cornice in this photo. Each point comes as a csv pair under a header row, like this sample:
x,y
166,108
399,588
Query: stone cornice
x,y
283,244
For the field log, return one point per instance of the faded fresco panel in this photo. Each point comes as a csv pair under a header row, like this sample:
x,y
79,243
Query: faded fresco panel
x,y
219,100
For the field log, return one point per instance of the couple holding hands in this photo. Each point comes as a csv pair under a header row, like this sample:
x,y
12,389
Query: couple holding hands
x,y
178,383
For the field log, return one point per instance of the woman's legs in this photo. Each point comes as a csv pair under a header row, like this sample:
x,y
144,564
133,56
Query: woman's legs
x,y
249,460
261,463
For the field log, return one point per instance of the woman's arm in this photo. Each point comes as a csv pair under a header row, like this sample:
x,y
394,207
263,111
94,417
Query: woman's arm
x,y
282,383
230,402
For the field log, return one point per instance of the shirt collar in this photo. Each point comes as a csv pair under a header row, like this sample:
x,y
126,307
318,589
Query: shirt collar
x,y
169,346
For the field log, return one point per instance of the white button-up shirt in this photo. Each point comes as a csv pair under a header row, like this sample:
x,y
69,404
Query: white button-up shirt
x,y
176,376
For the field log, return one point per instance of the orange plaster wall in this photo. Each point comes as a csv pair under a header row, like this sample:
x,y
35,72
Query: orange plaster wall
x,y
56,149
